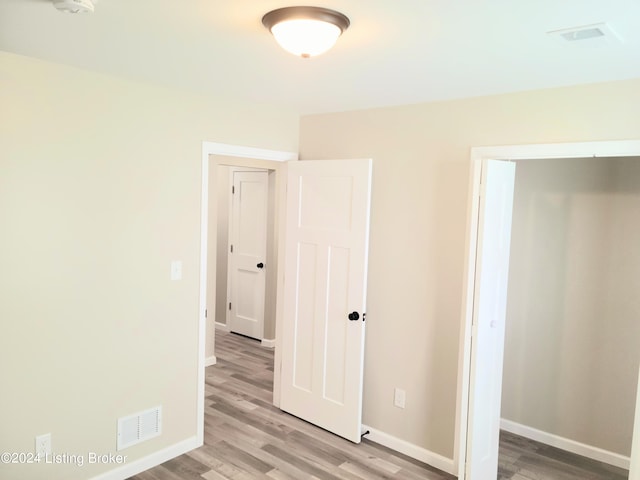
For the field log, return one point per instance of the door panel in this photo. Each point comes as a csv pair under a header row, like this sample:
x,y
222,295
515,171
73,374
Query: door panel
x,y
325,203
248,236
327,233
337,329
490,300
304,317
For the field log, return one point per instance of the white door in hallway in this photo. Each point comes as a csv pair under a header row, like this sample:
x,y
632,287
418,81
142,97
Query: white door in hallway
x,y
327,232
247,252
489,312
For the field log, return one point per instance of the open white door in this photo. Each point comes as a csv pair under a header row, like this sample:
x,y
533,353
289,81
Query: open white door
x,y
490,301
327,232
248,251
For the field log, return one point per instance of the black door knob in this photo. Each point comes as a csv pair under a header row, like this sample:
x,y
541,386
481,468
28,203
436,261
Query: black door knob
x,y
260,265
354,316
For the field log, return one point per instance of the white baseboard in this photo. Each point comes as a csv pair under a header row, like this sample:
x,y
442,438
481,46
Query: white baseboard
x,y
572,446
222,327
269,343
411,450
145,463
212,360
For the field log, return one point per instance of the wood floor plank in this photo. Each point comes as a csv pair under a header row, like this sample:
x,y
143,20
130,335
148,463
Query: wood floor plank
x,y
240,458
186,468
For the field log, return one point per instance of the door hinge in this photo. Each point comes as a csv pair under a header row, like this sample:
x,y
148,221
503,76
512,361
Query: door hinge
x,y
205,313
364,317
229,305
233,189
231,248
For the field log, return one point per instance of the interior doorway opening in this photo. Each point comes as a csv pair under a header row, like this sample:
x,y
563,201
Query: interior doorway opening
x,y
468,420
214,154
571,334
221,172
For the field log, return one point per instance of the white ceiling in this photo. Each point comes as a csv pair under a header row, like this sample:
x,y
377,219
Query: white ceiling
x,y
395,52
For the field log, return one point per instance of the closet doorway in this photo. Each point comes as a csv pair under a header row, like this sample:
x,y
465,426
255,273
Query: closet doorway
x,y
571,333
485,298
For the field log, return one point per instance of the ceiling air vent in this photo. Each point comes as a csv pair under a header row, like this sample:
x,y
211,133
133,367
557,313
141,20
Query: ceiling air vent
x,y
596,33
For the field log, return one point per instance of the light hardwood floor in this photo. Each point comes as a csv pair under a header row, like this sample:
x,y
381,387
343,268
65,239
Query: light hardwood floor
x,y
247,438
524,459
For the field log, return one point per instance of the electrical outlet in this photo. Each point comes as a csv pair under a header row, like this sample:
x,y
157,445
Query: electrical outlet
x,y
43,445
399,397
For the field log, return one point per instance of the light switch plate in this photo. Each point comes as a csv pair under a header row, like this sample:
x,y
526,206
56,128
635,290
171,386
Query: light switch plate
x,y
176,270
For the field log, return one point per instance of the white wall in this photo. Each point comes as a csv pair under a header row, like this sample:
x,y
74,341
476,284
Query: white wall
x,y
419,213
571,348
99,190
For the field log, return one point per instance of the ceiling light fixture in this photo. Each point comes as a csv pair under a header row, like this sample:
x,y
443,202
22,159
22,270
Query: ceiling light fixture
x,y
75,6
306,31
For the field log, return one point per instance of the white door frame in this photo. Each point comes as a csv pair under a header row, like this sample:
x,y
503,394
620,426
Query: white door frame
x,y
624,148
244,156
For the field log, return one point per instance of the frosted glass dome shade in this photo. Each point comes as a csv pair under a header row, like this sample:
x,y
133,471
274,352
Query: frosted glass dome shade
x,y
305,31
306,38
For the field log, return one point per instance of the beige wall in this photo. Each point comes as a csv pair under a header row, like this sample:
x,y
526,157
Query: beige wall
x,y
419,214
99,190
571,347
